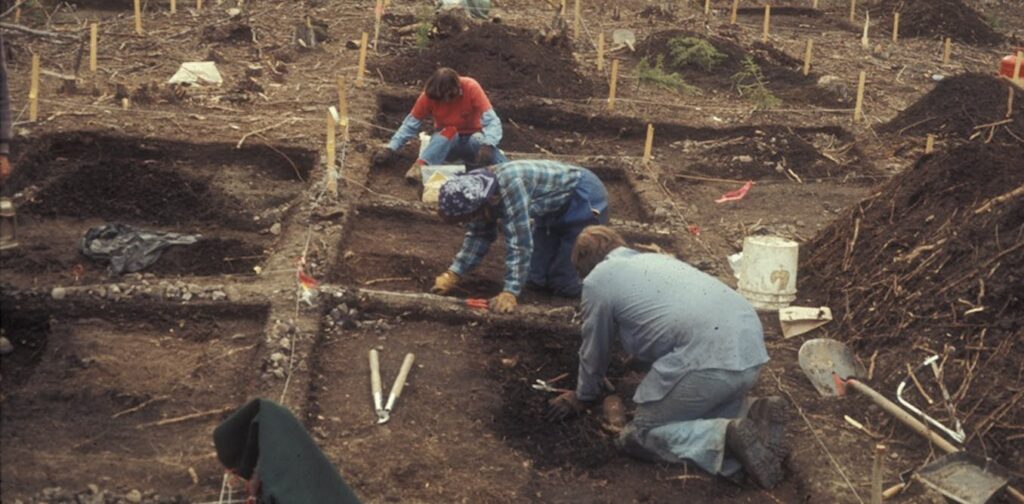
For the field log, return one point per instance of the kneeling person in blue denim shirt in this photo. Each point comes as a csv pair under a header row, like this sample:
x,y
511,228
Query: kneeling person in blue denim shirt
x,y
540,206
706,347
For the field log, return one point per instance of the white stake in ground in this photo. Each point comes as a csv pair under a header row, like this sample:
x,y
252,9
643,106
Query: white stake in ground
x,y
929,144
343,108
94,35
360,76
767,21
864,38
649,143
858,109
947,49
807,57
895,27
33,91
735,11
332,181
174,6
138,17
613,83
576,20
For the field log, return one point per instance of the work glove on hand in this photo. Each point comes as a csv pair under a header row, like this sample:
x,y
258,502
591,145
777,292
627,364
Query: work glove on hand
x,y
5,168
445,282
485,156
383,156
503,303
564,406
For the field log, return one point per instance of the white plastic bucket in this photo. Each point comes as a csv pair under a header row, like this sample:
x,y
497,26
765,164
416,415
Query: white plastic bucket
x,y
768,272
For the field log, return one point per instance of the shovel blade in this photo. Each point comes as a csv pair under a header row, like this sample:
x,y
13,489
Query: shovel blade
x,y
821,359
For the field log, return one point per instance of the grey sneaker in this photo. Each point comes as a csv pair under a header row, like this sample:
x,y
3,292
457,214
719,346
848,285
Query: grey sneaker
x,y
771,415
744,442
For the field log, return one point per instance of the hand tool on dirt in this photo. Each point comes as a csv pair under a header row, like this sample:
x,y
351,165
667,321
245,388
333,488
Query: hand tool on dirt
x,y
957,435
378,394
964,477
546,385
478,303
831,367
396,389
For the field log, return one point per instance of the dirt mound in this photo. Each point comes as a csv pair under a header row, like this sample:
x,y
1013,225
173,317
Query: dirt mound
x,y
937,18
118,190
956,106
780,70
934,263
504,59
209,257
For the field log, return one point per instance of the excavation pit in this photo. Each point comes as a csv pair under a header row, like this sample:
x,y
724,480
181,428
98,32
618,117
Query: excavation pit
x,y
403,250
86,386
77,181
469,414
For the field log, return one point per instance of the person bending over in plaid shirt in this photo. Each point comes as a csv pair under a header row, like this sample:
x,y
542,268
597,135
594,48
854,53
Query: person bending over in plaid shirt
x,y
540,206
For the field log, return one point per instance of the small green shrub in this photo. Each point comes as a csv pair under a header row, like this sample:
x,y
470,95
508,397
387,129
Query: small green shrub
x,y
751,83
656,74
423,28
692,51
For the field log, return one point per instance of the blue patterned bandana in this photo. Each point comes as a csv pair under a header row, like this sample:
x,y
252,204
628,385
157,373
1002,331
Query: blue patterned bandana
x,y
466,193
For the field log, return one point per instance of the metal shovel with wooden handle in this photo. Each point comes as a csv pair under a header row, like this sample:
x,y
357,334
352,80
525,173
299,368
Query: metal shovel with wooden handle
x,y
831,367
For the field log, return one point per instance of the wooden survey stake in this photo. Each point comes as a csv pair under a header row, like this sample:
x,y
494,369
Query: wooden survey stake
x,y
707,7
767,21
929,144
343,108
814,4
876,474
332,181
378,13
360,77
807,57
138,17
858,109
576,20
33,91
174,6
895,27
864,37
600,51
735,11
612,84
199,5
946,50
125,103
853,11
94,35
649,143
1009,101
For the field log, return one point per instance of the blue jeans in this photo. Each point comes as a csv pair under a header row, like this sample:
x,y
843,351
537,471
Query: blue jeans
x,y
554,237
689,423
464,148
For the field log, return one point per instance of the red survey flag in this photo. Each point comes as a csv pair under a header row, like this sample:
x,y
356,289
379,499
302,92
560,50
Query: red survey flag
x,y
736,195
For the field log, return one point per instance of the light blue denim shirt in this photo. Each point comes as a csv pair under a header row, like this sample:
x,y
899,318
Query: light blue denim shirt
x,y
666,312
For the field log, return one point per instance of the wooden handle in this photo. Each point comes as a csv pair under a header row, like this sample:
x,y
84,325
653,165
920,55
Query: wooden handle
x,y
901,415
375,373
396,389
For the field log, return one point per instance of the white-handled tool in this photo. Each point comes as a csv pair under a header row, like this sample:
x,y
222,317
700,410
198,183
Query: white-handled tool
x,y
396,389
375,387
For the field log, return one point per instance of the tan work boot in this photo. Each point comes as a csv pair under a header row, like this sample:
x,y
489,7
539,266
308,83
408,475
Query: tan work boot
x,y
413,175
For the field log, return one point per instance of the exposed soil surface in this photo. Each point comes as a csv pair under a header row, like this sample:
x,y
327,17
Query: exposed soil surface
x,y
933,263
100,377
214,256
957,106
504,59
938,19
782,72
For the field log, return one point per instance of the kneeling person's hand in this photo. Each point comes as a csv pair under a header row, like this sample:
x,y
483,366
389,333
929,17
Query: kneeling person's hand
x,y
383,156
564,406
445,282
503,303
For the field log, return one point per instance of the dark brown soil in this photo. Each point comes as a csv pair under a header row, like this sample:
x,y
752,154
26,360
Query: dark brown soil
x,y
781,71
937,19
921,266
212,256
505,60
956,106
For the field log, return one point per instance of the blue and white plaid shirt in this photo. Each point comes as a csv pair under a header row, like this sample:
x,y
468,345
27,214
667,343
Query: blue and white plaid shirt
x,y
531,189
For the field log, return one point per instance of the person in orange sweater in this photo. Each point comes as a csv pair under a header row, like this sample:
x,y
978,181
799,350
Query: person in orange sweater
x,y
466,129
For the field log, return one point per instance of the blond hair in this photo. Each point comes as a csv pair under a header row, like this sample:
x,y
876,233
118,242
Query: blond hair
x,y
592,246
